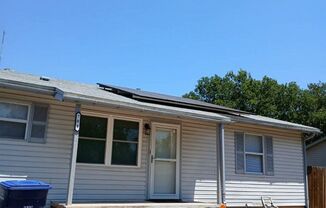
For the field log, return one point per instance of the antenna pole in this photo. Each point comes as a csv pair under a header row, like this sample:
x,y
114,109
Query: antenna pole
x,y
2,43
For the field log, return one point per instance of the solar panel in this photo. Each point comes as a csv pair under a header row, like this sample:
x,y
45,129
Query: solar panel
x,y
152,97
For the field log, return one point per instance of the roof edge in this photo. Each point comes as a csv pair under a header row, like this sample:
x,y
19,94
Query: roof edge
x,y
60,95
271,124
28,87
134,106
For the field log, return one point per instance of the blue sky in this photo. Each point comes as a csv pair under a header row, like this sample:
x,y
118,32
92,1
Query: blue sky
x,y
165,46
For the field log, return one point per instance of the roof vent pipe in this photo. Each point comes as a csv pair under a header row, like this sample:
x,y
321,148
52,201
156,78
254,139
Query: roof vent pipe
x,y
45,78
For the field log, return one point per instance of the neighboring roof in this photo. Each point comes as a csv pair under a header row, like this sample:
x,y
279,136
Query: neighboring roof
x,y
318,141
138,100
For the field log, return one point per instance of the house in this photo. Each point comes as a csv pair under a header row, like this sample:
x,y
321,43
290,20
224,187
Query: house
x,y
102,143
316,153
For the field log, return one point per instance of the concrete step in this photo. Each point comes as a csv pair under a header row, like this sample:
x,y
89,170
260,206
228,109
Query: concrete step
x,y
138,205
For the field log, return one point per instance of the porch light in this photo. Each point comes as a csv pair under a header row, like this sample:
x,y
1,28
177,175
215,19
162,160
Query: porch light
x,y
147,129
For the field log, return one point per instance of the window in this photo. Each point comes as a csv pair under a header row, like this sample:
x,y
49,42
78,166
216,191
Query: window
x,y
13,120
109,141
23,121
92,140
125,142
39,123
254,154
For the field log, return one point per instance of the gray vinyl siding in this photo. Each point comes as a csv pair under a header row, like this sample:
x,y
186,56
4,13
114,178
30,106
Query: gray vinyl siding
x,y
103,183
198,177
198,162
47,162
286,187
50,161
316,155
198,182
99,183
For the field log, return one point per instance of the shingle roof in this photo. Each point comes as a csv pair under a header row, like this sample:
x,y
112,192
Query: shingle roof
x,y
179,107
236,115
93,94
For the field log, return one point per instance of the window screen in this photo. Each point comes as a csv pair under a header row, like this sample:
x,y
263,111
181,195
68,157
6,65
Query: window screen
x,y
254,153
39,123
254,163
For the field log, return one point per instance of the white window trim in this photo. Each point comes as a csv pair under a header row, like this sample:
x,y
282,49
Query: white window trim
x,y
109,139
139,146
27,121
254,153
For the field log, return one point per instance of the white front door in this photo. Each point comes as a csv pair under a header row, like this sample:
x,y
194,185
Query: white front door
x,y
164,159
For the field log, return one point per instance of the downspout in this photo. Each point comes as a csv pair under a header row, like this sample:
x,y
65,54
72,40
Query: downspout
x,y
218,165
305,168
74,147
221,163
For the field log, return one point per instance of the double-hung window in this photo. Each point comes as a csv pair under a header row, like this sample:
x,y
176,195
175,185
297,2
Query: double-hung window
x,y
254,154
13,120
109,140
21,121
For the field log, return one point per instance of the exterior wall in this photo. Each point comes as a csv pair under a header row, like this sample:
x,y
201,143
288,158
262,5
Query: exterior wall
x,y
50,162
316,155
198,177
286,187
199,162
47,162
104,183
108,183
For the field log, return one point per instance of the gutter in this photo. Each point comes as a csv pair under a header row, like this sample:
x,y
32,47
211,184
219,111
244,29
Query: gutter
x,y
143,108
35,88
238,118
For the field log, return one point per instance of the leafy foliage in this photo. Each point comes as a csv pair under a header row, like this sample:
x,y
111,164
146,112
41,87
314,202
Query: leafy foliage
x,y
265,97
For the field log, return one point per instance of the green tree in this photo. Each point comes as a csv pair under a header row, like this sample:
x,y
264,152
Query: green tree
x,y
265,97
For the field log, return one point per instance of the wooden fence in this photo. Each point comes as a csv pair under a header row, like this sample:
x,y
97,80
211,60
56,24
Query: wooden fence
x,y
317,187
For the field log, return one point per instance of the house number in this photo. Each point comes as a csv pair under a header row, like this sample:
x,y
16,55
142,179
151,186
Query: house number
x,y
77,121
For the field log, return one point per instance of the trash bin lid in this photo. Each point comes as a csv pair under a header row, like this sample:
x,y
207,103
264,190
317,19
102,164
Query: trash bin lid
x,y
25,185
